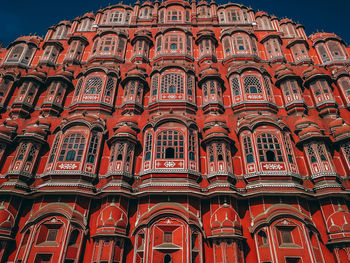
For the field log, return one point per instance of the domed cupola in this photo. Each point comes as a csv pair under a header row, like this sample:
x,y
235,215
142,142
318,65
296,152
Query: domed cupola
x,y
112,221
7,222
340,130
225,222
8,130
308,130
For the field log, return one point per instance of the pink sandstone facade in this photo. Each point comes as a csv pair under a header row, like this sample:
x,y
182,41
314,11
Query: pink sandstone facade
x,y
175,132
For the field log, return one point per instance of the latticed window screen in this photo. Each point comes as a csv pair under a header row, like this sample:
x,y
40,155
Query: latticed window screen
x,y
234,15
321,152
269,148
174,15
170,144
15,54
54,149
191,147
252,85
72,148
108,44
22,151
148,147
109,86
31,154
92,151
212,87
189,84
288,147
155,80
93,85
335,49
345,85
116,17
205,88
120,151
323,53
346,148
78,87
248,149
172,83
267,86
236,88
311,153
211,153
4,86
174,42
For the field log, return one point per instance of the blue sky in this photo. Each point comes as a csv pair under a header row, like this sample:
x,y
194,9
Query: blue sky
x,y
22,17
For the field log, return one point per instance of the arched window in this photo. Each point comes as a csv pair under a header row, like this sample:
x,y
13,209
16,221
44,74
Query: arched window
x,y
148,147
93,85
248,149
174,16
252,85
167,258
174,42
321,91
336,49
291,91
92,151
241,44
262,238
76,50
299,52
73,238
289,149
323,53
15,53
54,149
155,80
273,48
72,148
269,148
170,144
172,83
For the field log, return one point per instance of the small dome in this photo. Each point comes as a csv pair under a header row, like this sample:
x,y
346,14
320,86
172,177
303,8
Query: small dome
x,y
311,72
6,219
285,21
303,123
66,74
35,130
260,13
216,130
125,129
112,219
283,71
225,220
209,72
89,15
342,132
339,222
212,119
136,71
336,123
309,132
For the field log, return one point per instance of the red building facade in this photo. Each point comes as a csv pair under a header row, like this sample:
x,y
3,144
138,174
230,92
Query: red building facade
x,y
175,132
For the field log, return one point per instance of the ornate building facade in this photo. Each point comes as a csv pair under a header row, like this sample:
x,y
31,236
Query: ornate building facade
x,y
175,132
